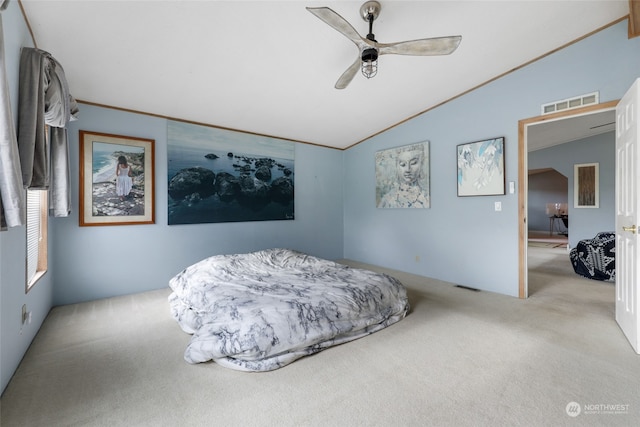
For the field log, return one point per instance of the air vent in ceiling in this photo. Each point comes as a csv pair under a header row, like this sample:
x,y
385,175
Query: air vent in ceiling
x,y
571,103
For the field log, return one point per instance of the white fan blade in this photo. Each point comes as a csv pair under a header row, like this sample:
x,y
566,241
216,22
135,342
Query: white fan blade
x,y
337,22
348,75
421,47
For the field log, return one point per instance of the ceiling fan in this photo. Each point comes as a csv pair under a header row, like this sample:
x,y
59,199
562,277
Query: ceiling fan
x,y
370,49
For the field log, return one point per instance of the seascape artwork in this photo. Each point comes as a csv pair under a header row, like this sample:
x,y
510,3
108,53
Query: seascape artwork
x,y
402,177
218,175
481,168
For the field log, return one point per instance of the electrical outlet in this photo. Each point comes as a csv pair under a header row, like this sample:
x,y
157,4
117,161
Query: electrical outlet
x,y
24,313
498,206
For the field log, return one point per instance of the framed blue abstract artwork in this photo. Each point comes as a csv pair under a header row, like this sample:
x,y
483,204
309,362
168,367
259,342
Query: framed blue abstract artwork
x,y
481,168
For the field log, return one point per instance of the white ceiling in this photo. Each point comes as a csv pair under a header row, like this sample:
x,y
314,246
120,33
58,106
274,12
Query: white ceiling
x,y
555,132
269,67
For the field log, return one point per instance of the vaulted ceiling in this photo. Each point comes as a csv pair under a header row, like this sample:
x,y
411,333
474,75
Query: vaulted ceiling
x,y
269,67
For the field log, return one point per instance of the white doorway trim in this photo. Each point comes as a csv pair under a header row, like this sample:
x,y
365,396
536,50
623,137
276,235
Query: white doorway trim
x,y
523,291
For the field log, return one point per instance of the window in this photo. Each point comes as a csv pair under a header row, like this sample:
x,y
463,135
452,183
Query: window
x,y
36,236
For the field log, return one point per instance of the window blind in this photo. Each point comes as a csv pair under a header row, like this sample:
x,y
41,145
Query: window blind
x,y
33,232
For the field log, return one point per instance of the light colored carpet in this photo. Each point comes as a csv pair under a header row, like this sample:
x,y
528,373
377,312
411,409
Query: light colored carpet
x,y
461,358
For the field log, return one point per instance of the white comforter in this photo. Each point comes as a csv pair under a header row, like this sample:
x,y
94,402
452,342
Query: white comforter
x,y
263,310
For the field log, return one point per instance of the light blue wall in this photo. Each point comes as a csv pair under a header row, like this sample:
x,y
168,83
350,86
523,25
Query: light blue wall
x,y
14,337
584,223
463,240
99,262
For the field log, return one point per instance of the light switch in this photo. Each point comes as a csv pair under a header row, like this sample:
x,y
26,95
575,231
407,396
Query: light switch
x,y
512,187
498,206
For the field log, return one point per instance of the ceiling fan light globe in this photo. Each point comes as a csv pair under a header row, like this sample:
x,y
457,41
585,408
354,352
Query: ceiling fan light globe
x,y
369,65
369,68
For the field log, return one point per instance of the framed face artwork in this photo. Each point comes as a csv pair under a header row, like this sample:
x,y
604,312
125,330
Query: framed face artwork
x,y
116,180
402,177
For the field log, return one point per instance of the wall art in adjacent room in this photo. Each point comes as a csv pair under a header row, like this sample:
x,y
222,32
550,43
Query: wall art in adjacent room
x,y
586,185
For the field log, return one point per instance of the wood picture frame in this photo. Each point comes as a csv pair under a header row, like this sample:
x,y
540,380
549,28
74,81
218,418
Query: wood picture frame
x,y
586,185
481,168
116,179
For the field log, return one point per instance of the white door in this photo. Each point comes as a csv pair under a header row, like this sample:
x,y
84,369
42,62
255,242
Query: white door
x,y
627,209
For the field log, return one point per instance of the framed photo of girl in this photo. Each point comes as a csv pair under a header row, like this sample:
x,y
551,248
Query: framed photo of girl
x,y
116,179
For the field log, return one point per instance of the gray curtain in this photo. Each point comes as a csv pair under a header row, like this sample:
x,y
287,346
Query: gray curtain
x,y
45,100
32,140
12,195
59,194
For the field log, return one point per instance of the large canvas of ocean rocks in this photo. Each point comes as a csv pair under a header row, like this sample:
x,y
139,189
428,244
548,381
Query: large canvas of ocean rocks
x,y
219,175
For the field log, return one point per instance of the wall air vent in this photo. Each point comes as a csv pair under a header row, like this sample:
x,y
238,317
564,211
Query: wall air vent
x,y
571,103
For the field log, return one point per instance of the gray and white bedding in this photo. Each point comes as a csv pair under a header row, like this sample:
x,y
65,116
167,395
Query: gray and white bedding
x,y
262,310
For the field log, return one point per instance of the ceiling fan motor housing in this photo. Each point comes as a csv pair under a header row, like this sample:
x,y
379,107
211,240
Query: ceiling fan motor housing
x,y
370,54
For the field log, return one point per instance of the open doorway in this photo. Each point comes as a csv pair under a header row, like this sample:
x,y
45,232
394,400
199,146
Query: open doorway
x,y
536,130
